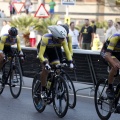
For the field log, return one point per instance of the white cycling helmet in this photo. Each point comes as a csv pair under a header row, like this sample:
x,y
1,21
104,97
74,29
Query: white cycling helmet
x,y
58,31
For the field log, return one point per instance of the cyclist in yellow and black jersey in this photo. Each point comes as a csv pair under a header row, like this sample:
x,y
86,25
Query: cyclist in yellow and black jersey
x,y
111,53
58,47
50,51
6,41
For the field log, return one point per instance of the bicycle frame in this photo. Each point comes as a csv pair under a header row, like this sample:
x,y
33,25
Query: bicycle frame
x,y
55,72
114,102
12,64
54,75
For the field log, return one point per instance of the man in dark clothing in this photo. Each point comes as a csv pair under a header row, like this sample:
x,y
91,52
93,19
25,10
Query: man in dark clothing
x,y
86,36
93,26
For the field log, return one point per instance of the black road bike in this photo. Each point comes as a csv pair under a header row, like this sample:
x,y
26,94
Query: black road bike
x,y
104,106
57,92
11,74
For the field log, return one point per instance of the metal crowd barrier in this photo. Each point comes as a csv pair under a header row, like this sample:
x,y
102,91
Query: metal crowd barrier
x,y
89,67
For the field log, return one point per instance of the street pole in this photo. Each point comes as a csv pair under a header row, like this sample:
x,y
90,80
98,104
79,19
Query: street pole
x,y
67,10
42,1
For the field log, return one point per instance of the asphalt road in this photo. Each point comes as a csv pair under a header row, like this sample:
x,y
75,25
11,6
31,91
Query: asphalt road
x,y
23,108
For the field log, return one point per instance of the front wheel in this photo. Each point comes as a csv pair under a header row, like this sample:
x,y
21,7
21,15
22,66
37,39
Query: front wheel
x,y
60,97
102,103
36,94
15,82
2,86
71,90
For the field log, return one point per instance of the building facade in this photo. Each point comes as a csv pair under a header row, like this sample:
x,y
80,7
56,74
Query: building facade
x,y
94,9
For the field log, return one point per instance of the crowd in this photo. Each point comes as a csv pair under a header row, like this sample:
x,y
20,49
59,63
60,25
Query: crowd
x,y
87,38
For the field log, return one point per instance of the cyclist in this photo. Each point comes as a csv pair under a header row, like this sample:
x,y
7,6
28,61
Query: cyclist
x,y
69,42
6,41
111,53
49,45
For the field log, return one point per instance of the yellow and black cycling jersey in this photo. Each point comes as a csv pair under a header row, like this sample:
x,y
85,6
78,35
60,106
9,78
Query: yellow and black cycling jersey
x,y
5,40
113,43
47,42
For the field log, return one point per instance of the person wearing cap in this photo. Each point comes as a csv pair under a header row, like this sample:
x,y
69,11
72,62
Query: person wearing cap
x,y
48,52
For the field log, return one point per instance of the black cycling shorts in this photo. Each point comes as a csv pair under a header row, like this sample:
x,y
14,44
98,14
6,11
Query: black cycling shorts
x,y
53,54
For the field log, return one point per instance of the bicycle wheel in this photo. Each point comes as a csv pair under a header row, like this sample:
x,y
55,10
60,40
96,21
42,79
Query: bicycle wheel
x,y
71,90
36,94
15,82
102,104
1,86
60,97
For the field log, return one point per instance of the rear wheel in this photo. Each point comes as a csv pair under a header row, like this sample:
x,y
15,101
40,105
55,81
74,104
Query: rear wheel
x,y
39,103
15,82
102,104
60,97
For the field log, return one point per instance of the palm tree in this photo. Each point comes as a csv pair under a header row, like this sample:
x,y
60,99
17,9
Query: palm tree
x,y
24,23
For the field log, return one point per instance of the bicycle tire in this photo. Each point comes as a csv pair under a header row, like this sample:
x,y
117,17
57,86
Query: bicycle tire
x,y
69,81
15,85
35,96
61,82
1,87
98,102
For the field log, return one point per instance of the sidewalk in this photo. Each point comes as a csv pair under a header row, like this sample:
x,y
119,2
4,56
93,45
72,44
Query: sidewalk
x,y
87,91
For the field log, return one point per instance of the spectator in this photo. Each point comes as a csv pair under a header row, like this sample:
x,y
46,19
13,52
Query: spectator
x,y
117,26
30,9
111,29
8,22
4,22
5,28
97,44
86,36
27,5
52,5
74,34
10,8
3,14
93,26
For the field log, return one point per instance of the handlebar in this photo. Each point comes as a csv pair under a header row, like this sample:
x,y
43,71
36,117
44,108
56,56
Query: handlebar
x,y
14,54
59,66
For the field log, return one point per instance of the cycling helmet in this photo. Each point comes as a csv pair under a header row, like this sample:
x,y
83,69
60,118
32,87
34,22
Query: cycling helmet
x,y
13,32
58,31
66,28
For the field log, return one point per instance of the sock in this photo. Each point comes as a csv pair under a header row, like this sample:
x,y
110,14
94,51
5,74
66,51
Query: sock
x,y
110,86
